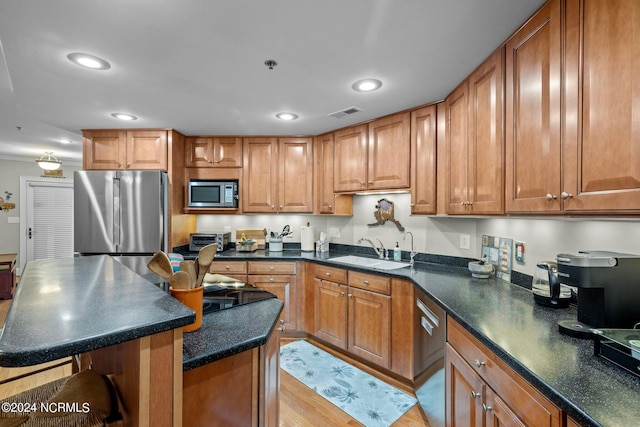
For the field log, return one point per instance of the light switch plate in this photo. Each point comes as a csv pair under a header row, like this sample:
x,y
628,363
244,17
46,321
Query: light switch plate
x,y
13,219
520,251
465,241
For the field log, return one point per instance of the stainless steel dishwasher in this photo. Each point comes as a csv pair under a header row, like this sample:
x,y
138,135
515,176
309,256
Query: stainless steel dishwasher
x,y
429,348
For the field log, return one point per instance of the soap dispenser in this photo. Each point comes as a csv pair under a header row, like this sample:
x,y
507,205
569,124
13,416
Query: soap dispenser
x,y
397,253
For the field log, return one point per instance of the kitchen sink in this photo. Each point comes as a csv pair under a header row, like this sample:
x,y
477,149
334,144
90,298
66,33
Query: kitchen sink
x,y
381,264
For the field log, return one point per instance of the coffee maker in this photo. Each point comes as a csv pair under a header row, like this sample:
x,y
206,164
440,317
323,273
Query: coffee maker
x,y
608,290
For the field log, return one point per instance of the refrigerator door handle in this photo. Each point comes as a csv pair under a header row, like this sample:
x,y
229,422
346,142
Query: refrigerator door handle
x,y
116,211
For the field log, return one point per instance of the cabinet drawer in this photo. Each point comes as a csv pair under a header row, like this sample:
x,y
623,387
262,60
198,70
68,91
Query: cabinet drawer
x,y
228,267
370,282
332,274
265,267
522,398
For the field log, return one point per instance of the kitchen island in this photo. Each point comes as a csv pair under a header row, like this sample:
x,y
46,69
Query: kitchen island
x,y
524,335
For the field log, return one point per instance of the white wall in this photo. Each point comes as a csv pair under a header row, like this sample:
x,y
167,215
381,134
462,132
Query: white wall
x,y
544,237
10,172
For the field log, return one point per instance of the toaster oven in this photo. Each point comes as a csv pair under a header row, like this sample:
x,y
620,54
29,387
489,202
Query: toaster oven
x,y
198,241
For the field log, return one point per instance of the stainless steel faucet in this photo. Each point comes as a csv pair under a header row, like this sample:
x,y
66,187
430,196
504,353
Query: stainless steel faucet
x,y
412,254
379,251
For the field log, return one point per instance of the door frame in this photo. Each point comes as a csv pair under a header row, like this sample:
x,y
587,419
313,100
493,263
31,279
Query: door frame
x,y
24,183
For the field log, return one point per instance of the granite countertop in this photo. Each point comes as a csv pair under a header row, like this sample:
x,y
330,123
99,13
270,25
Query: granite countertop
x,y
228,332
504,317
69,306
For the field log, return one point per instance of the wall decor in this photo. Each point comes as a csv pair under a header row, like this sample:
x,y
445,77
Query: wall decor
x,y
384,213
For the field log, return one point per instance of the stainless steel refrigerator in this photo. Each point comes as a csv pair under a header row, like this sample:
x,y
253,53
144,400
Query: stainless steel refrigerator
x,y
121,213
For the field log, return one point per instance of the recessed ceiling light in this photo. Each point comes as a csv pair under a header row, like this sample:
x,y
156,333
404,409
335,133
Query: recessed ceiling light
x,y
88,61
287,116
65,141
366,85
124,116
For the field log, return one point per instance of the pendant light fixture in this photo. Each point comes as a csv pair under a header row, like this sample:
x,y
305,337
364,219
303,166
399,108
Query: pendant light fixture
x,y
48,161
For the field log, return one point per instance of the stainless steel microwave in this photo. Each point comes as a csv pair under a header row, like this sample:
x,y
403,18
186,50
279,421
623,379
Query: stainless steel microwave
x,y
216,194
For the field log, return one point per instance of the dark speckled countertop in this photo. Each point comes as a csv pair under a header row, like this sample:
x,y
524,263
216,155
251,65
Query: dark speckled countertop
x,y
69,306
525,335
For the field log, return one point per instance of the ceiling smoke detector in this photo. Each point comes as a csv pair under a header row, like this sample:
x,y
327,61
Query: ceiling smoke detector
x,y
346,112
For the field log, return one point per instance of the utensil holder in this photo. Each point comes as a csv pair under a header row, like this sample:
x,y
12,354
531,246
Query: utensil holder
x,y
275,245
192,298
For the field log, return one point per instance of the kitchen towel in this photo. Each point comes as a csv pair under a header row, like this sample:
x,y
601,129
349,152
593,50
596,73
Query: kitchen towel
x,y
306,238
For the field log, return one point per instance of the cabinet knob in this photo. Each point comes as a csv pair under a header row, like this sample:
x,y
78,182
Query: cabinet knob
x,y
271,267
566,195
281,206
327,274
480,364
330,207
282,328
226,267
475,394
413,205
486,408
273,206
550,196
271,279
350,295
341,294
362,183
366,282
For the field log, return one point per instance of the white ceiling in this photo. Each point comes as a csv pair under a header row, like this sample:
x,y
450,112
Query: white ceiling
x,y
198,65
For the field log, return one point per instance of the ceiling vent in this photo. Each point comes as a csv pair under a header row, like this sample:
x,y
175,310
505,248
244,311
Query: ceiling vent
x,y
346,112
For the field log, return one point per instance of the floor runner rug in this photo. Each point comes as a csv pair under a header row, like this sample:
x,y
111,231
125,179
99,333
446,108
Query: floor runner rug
x,y
367,399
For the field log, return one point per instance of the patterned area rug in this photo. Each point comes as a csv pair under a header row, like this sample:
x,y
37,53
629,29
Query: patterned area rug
x,y
364,397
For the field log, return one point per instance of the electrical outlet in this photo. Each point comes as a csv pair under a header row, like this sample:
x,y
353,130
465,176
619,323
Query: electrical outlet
x,y
465,241
334,232
13,219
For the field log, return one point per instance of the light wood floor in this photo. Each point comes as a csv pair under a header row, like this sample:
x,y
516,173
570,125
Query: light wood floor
x,y
299,405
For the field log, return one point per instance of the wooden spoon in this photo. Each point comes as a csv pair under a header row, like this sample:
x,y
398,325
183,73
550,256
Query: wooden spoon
x,y
190,267
180,280
205,258
161,265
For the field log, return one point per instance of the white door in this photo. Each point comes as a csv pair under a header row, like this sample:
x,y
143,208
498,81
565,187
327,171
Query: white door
x,y
46,218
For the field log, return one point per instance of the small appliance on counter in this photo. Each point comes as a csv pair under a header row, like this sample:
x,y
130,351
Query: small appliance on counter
x,y
198,241
608,290
620,346
546,286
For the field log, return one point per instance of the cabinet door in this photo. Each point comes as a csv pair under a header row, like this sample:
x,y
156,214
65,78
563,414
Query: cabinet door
x,y
198,152
269,392
284,288
497,413
147,149
457,163
465,392
369,334
331,312
227,152
532,111
423,160
259,175
104,149
389,153
349,163
295,175
324,174
486,151
601,149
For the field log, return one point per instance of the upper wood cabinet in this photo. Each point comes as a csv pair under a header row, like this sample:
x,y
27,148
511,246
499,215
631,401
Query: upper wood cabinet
x,y
385,144
533,115
217,152
120,149
475,142
277,175
423,160
601,146
326,201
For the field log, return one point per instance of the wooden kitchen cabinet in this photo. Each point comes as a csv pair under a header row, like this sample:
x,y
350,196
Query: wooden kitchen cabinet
x,y
120,149
385,144
533,114
423,160
475,143
328,202
279,278
278,175
482,390
7,275
352,318
213,152
234,269
601,146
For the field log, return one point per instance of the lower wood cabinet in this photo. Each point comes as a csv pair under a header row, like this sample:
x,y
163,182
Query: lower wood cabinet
x,y
279,278
353,319
239,390
483,391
